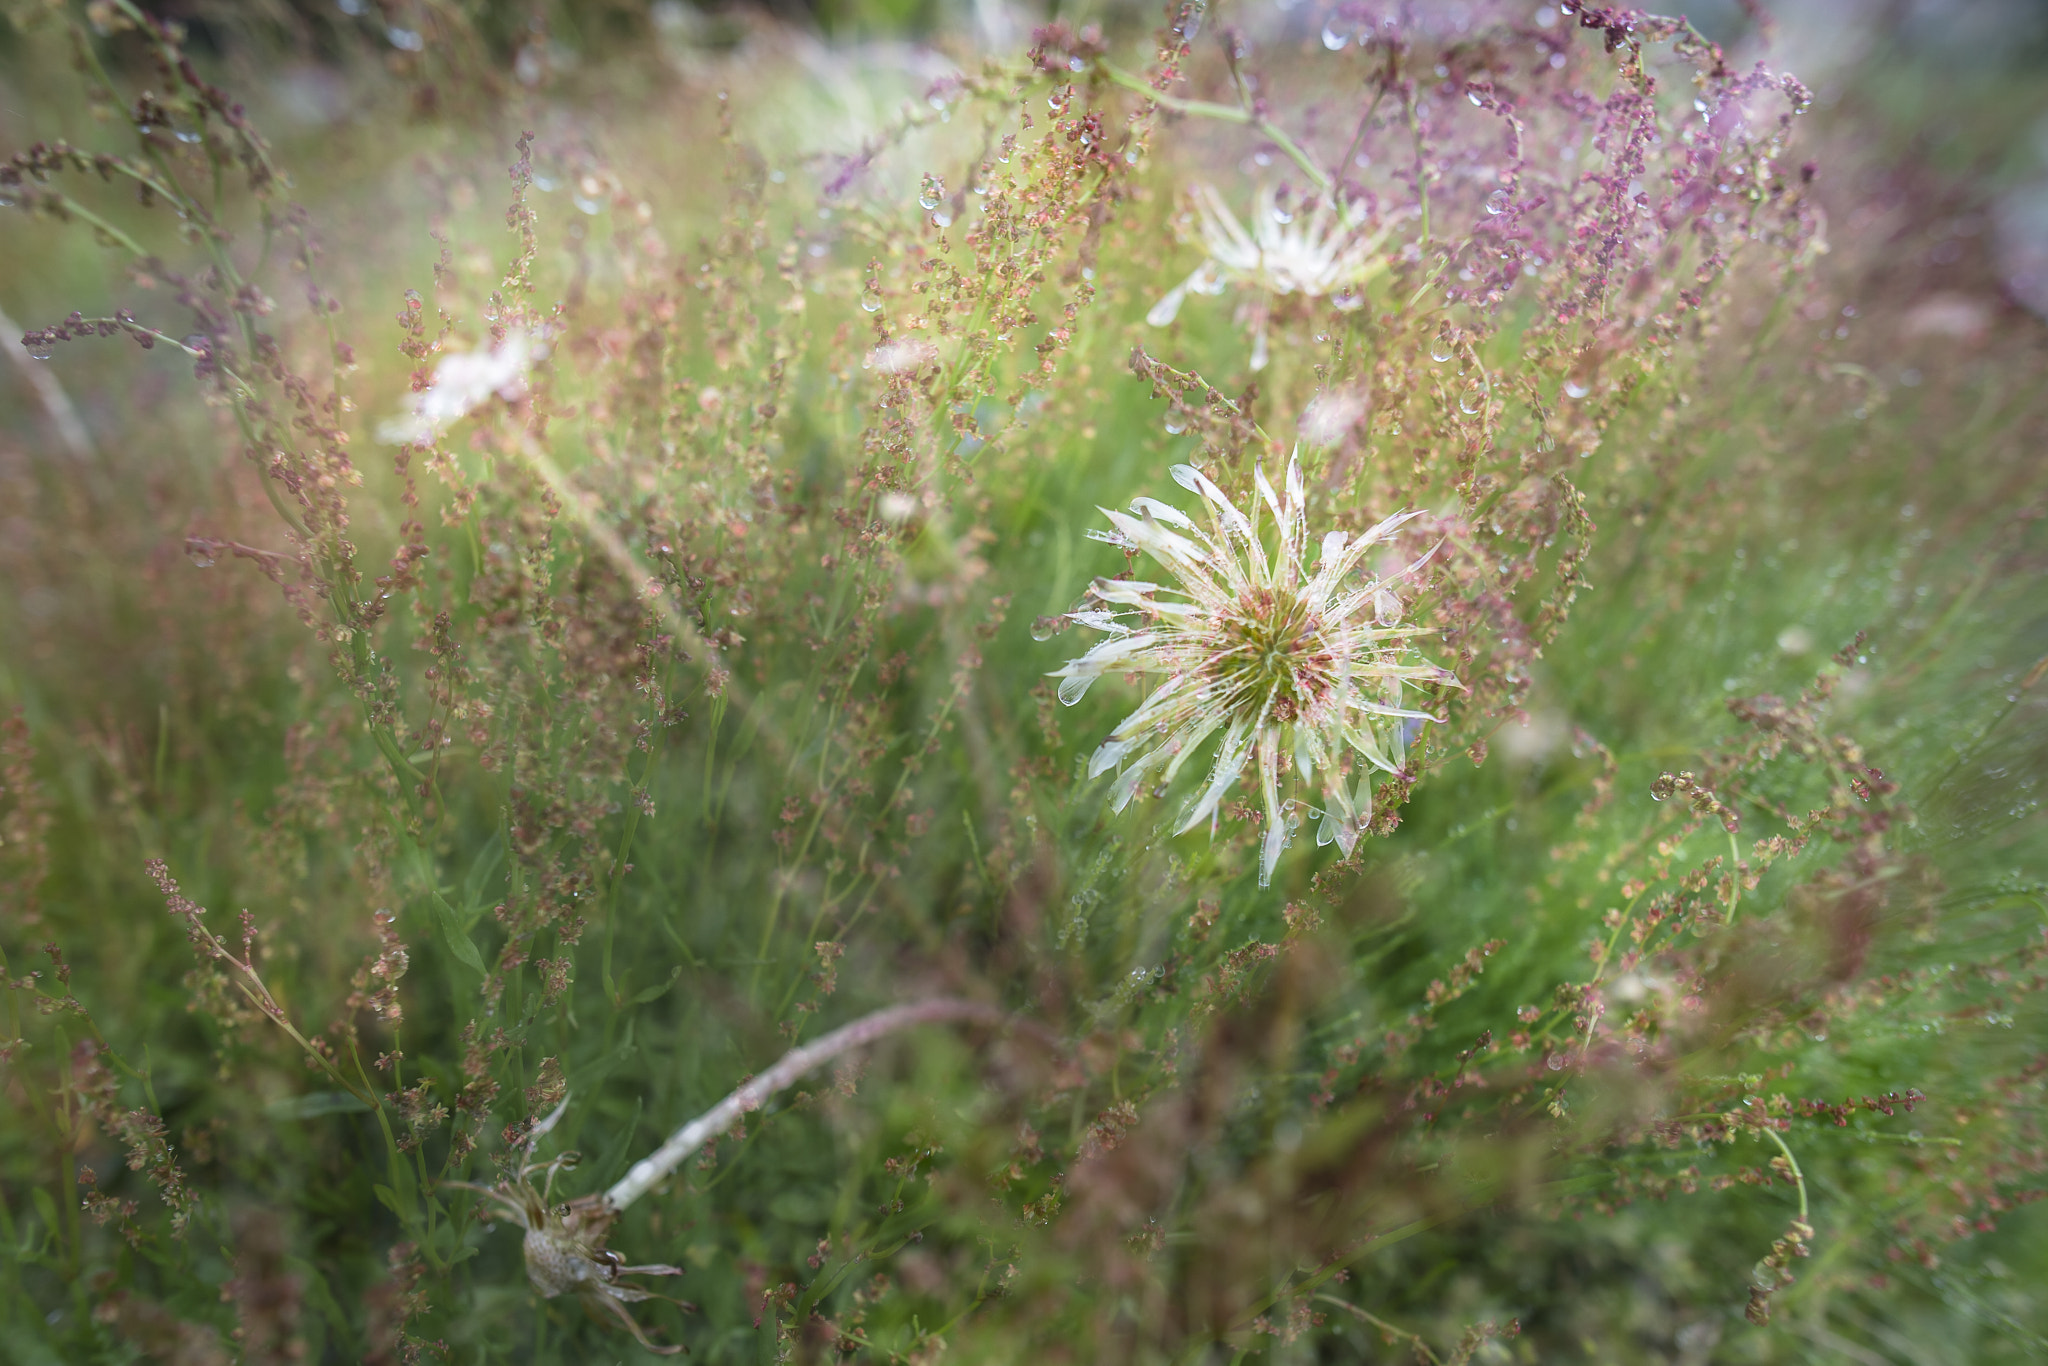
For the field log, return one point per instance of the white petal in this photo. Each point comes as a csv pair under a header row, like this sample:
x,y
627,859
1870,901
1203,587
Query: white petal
x,y
1269,854
1165,512
1230,763
1108,757
1272,499
1168,308
1129,592
1127,786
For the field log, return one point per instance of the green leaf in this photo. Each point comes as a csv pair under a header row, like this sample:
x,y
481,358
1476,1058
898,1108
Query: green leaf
x,y
314,1104
388,1199
453,936
487,860
643,996
45,1206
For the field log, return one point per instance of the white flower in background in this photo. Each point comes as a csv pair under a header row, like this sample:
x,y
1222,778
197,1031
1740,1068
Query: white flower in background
x,y
1325,251
1295,666
1330,415
462,381
903,356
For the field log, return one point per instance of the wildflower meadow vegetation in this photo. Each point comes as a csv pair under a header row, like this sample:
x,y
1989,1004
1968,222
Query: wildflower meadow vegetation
x,y
1250,682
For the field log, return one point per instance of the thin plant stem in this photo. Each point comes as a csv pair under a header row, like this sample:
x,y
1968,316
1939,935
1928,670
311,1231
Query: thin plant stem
x,y
643,1175
1798,1177
1223,113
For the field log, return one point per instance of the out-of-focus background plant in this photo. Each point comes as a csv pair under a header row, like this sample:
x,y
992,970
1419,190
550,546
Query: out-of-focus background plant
x,y
534,540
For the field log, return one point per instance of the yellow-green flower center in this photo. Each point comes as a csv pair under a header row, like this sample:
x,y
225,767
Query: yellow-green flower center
x,y
1272,648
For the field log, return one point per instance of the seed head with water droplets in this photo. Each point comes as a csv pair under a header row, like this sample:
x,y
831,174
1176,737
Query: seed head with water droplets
x,y
1297,667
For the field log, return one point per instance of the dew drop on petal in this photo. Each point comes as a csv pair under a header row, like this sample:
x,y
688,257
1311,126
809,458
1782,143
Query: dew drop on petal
x,y
1073,689
1497,202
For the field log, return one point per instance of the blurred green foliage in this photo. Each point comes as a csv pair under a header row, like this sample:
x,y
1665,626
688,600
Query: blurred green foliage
x,y
1243,1142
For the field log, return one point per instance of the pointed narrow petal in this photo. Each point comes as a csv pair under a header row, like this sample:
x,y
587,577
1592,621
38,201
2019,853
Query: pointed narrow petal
x,y
1269,855
1168,307
1269,773
1230,763
1126,786
1106,655
1186,741
1272,499
1129,592
1165,512
1108,756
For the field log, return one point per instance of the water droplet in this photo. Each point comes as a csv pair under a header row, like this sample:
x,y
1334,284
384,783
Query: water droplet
x,y
1281,213
1334,38
1045,628
871,302
1497,202
187,138
39,350
1574,389
933,191
1346,299
1176,424
200,554
1441,350
1473,400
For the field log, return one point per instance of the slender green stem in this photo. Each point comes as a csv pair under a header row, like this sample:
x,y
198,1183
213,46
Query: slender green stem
x,y
1798,1177
1735,872
1414,1339
1224,113
66,205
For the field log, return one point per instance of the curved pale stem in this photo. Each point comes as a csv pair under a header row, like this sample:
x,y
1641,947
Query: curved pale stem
x,y
792,1065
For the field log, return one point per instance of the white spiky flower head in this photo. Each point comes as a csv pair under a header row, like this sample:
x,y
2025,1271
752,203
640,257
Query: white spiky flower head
x,y
1325,251
1296,666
